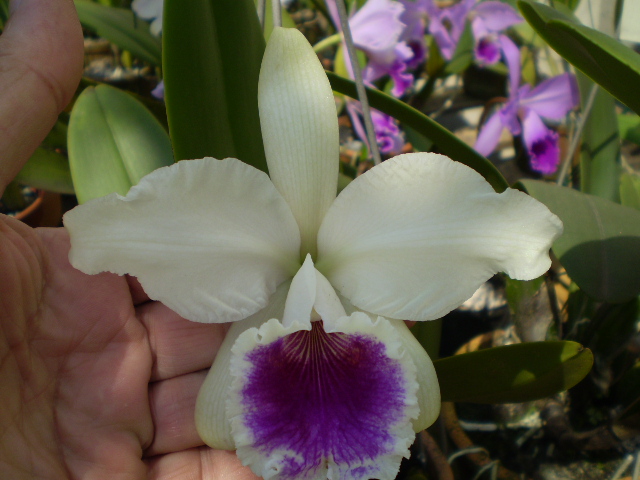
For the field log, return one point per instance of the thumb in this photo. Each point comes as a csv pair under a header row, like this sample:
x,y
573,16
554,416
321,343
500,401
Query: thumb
x,y
41,54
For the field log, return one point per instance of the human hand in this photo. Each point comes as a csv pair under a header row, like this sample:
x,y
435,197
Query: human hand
x,y
96,381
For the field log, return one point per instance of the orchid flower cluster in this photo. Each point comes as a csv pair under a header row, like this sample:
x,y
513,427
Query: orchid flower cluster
x,y
391,33
318,376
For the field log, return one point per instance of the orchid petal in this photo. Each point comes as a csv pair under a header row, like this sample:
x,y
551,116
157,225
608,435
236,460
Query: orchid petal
x,y
454,232
323,404
554,97
311,296
211,417
376,29
489,135
214,256
299,130
512,59
542,144
497,16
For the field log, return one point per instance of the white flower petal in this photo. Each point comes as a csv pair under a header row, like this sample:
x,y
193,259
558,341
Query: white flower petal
x,y
414,237
301,296
210,239
211,418
428,386
315,405
299,130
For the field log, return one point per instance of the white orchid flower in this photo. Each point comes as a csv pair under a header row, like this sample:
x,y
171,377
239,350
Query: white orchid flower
x,y
321,378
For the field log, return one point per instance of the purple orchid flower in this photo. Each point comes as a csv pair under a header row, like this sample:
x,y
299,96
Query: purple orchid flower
x,y
388,134
447,24
487,20
377,30
522,113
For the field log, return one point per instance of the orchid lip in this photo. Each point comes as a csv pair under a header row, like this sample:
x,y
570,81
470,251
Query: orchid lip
x,y
309,402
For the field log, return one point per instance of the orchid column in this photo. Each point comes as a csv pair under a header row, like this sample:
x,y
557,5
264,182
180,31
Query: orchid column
x,y
318,377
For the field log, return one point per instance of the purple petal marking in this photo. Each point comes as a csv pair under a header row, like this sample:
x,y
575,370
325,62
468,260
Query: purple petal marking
x,y
542,144
487,50
322,397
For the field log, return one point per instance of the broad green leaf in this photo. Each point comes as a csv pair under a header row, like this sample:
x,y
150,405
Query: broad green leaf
x,y
630,190
600,246
119,26
113,142
513,373
446,141
605,60
212,56
47,170
600,148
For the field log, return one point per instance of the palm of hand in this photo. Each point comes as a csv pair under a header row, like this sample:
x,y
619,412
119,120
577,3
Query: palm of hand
x,y
95,380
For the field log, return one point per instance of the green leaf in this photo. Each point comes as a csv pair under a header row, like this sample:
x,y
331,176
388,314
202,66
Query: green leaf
x,y
629,127
446,141
600,246
463,55
570,4
113,142
513,373
47,170
119,26
605,60
212,56
600,149
630,190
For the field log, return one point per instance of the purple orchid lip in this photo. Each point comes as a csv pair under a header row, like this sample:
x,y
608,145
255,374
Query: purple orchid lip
x,y
315,401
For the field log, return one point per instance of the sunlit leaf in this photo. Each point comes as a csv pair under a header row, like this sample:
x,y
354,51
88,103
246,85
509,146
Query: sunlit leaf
x,y
119,26
113,142
600,246
211,71
47,170
513,373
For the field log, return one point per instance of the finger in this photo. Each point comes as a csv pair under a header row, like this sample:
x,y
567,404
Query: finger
x,y
178,346
138,295
173,404
42,53
199,464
